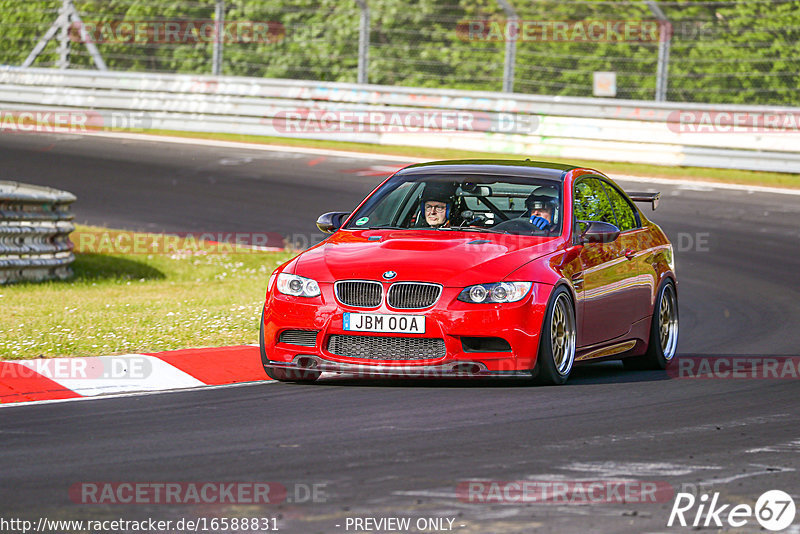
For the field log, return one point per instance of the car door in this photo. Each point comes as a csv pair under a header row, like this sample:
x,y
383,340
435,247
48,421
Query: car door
x,y
606,311
636,291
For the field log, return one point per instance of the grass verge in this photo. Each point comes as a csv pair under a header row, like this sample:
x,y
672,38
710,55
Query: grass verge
x,y
127,303
772,179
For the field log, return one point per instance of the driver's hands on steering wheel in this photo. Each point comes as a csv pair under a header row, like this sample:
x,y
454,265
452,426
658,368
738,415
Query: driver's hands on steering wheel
x,y
540,222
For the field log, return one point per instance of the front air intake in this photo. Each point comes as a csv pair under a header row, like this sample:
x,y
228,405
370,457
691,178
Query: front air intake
x,y
413,295
387,348
304,338
359,293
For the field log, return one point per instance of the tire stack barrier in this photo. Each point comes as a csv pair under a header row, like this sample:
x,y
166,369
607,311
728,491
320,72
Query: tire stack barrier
x,y
35,223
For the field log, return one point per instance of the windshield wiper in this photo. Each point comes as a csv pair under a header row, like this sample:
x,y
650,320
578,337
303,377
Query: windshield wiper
x,y
472,229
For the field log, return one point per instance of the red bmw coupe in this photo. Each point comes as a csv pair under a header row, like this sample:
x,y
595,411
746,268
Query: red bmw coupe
x,y
477,268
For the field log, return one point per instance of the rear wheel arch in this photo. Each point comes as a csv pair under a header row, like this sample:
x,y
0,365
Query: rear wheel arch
x,y
664,277
662,343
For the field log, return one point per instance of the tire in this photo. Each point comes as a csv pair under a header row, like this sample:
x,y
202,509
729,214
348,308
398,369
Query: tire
x,y
283,375
557,341
663,342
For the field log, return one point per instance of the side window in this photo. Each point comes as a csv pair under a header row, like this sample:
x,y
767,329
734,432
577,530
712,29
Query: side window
x,y
622,208
582,194
591,202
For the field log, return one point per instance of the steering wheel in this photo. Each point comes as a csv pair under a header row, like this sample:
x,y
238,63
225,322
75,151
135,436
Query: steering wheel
x,y
470,218
520,225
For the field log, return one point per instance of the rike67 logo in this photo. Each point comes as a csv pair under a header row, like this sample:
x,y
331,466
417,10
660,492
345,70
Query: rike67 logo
x,y
774,510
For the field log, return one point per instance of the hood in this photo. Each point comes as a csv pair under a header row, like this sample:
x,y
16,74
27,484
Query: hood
x,y
450,258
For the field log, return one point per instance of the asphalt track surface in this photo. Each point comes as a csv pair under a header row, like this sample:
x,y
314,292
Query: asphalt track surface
x,y
386,449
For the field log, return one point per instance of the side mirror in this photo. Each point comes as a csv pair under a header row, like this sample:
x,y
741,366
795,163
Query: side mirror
x,y
331,221
598,232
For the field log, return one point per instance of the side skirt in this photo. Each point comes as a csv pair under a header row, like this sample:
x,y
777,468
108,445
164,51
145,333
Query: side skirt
x,y
605,352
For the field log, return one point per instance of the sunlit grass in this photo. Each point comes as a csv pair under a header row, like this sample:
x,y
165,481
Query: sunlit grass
x,y
129,303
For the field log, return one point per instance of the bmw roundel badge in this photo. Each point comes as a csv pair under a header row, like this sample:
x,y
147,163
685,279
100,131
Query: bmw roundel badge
x,y
389,275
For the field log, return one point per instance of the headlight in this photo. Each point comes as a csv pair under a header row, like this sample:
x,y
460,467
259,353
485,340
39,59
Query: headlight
x,y
297,286
497,292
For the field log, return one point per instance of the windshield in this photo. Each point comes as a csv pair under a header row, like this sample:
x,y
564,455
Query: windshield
x,y
505,204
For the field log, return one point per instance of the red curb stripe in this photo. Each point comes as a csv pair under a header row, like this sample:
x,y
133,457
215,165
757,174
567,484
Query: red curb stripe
x,y
21,384
217,366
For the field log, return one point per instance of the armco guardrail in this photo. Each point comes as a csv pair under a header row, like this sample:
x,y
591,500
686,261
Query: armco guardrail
x,y
35,223
538,126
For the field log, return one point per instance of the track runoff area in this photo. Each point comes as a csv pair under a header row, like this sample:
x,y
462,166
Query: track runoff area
x,y
709,446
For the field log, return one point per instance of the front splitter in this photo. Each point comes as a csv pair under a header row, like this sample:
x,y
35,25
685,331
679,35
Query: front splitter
x,y
459,369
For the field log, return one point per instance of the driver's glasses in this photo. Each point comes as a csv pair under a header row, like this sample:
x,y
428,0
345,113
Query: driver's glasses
x,y
431,208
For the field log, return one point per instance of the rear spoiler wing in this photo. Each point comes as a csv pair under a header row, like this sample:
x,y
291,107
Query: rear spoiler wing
x,y
652,198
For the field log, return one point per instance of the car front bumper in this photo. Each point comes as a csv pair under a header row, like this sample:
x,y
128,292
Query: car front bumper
x,y
450,320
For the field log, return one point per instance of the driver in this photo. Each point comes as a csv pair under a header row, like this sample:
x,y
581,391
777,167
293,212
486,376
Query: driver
x,y
437,204
541,205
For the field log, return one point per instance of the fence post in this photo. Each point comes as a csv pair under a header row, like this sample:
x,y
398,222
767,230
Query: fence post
x,y
67,16
63,35
664,43
512,32
363,43
219,23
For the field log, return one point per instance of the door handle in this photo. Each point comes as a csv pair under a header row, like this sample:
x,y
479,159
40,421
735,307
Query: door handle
x,y
630,253
577,281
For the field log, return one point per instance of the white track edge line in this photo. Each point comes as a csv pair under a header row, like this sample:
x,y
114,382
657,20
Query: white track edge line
x,y
136,393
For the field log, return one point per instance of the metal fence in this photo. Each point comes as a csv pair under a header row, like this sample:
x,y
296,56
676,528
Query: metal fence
x,y
718,51
35,223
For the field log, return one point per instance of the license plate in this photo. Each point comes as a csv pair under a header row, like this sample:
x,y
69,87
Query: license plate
x,y
384,322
